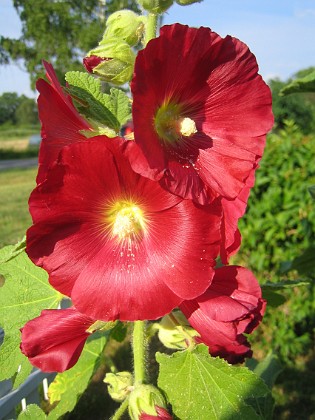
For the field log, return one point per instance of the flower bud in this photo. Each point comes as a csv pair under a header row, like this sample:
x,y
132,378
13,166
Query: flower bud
x,y
156,6
144,399
119,385
187,2
112,60
125,25
176,336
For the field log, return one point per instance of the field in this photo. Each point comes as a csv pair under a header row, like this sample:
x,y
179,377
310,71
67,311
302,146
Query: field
x,y
278,227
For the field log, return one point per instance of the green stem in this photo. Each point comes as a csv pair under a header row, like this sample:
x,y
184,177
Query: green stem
x,y
151,28
121,410
139,351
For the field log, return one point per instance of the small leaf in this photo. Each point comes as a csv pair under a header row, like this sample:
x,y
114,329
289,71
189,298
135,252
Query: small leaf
x,y
32,412
68,386
25,293
202,387
304,84
305,263
119,332
14,251
273,299
108,110
312,191
268,370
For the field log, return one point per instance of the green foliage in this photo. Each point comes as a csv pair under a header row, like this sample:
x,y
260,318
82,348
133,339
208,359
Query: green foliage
x,y
25,293
59,31
278,226
206,387
304,84
16,109
110,111
69,385
299,108
32,412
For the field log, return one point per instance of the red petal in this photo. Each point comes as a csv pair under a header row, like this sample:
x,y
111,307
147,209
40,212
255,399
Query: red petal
x,y
107,279
54,341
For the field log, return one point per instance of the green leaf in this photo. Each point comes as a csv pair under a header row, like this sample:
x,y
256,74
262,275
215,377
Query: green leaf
x,y
273,299
12,252
25,293
312,191
108,110
304,84
268,370
119,332
32,412
288,284
305,263
202,387
68,386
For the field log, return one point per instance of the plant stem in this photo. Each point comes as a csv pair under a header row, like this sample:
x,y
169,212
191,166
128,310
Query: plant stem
x,y
139,350
120,411
150,32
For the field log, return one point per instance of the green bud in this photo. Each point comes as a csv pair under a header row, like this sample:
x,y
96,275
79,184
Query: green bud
x,y
177,335
119,385
125,25
156,6
187,2
144,399
112,60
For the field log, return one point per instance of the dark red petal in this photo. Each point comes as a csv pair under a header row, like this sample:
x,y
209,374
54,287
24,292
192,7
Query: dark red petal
x,y
162,414
61,122
91,62
108,279
215,81
231,306
54,341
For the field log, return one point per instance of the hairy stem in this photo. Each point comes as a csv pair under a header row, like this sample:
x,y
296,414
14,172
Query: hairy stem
x,y
151,28
139,351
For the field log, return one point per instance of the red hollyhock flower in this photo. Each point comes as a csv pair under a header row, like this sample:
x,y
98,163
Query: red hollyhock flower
x,y
120,245
54,341
231,306
162,414
61,122
201,112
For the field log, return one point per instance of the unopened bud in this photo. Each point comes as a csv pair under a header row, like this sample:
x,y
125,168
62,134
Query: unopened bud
x,y
156,6
144,399
119,385
175,332
125,25
113,61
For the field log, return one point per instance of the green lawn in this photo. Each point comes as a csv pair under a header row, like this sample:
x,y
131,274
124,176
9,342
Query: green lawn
x,y
15,188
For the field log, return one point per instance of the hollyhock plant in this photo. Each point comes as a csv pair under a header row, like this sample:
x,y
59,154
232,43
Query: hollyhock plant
x,y
230,307
161,414
61,122
201,112
54,340
117,243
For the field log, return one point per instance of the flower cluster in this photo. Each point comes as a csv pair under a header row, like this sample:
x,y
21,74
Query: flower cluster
x,y
132,229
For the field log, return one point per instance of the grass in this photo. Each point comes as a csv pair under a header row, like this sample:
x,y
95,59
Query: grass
x,y
15,187
15,144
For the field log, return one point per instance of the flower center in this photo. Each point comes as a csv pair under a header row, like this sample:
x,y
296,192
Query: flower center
x,y
126,220
171,126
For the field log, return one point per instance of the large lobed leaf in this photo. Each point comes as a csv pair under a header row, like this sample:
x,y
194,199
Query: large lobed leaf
x,y
25,293
202,387
69,385
303,84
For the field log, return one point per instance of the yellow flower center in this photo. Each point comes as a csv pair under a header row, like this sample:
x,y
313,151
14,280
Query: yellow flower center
x,y
171,126
126,220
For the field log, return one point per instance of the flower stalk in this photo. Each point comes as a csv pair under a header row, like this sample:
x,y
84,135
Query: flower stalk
x,y
151,27
139,351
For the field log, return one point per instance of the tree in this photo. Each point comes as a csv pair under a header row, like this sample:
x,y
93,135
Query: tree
x,y
26,113
9,102
58,31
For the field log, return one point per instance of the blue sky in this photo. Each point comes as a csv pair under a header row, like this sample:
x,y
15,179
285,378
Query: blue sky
x,y
280,33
